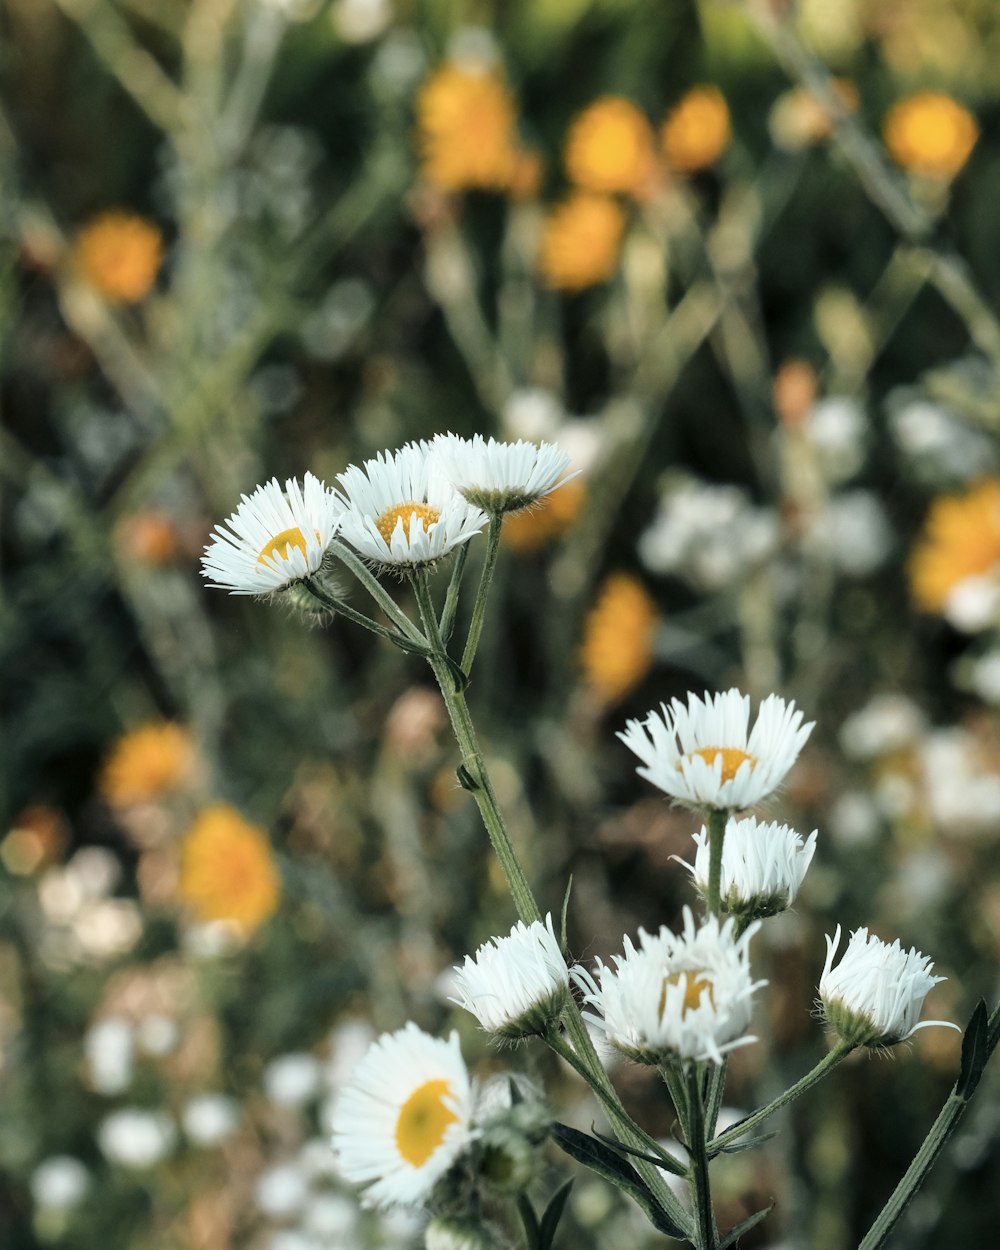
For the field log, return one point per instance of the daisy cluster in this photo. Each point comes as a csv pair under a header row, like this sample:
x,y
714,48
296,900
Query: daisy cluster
x,y
400,510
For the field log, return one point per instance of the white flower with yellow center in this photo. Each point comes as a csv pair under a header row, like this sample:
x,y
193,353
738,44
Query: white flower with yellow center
x,y
874,996
762,866
705,755
401,511
404,1117
274,538
516,986
501,477
678,996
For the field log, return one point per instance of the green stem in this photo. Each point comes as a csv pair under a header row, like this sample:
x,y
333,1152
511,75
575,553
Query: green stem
x,y
378,592
825,1065
482,594
451,599
716,837
339,608
476,777
708,1234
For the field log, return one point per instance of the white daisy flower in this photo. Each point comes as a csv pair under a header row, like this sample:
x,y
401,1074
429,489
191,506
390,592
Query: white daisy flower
x,y
501,477
401,511
274,538
874,996
762,866
404,1117
515,986
679,996
702,755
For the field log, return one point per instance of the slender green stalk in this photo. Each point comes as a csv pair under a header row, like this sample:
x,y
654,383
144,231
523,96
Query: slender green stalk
x,y
716,837
337,606
482,594
378,592
476,777
451,599
825,1065
708,1233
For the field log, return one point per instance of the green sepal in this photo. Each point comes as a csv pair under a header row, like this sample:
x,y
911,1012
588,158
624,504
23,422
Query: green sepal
x,y
976,1050
466,779
666,1161
736,1232
610,1164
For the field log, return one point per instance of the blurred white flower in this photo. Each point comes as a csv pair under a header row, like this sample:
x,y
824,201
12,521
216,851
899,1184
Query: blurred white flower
x,y
281,1191
292,1080
837,430
331,1218
532,413
135,1138
763,865
109,1049
852,531
360,21
501,477
704,754
973,605
886,724
405,1116
400,510
984,676
209,1119
854,819
156,1034
398,63
515,986
274,538
676,997
944,450
59,1183
961,789
875,994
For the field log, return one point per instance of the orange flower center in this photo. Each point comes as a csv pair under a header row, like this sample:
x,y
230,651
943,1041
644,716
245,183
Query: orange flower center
x,y
732,758
425,514
281,543
423,1120
695,984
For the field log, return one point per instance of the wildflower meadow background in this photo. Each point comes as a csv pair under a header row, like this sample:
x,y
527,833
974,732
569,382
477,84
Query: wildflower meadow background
x,y
741,262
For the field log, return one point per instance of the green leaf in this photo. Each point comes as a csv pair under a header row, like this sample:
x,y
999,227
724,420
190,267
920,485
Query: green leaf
x,y
976,1050
408,644
459,677
668,1164
737,1232
735,1148
466,779
553,1214
565,909
529,1219
609,1164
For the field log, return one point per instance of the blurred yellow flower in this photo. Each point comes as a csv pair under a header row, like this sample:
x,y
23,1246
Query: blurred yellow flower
x,y
466,129
616,651
147,762
119,254
696,131
798,119
610,147
930,133
531,529
227,869
581,241
960,539
151,537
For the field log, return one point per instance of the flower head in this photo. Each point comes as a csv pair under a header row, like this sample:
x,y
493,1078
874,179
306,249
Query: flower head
x,y
704,755
119,254
762,866
581,241
501,477
227,869
400,509
930,133
466,128
274,538
404,1117
147,762
960,540
696,131
678,996
874,996
610,147
616,650
515,986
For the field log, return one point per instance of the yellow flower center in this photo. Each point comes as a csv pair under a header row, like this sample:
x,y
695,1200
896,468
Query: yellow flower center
x,y
732,758
695,984
425,514
422,1122
280,544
